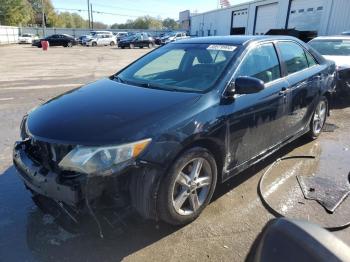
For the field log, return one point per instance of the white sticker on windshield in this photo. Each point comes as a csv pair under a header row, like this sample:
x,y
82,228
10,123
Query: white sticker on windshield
x,y
228,48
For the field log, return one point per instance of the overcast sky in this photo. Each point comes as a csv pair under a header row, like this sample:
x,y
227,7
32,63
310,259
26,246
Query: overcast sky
x,y
127,9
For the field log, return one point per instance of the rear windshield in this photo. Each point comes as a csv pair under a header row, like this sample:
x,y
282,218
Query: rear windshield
x,y
336,47
180,67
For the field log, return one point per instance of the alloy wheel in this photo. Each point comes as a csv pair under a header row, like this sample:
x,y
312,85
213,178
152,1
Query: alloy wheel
x,y
319,117
192,186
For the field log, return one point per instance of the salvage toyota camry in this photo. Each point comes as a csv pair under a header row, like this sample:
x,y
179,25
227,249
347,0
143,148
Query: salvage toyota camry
x,y
160,134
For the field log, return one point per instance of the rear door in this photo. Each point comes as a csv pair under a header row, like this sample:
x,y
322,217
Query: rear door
x,y
139,41
303,74
256,121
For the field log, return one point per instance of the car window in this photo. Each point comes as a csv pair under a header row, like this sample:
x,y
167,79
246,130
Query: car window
x,y
293,56
262,63
333,47
310,59
167,62
217,57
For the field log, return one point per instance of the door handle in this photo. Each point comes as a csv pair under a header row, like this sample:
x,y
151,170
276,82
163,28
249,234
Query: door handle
x,y
283,91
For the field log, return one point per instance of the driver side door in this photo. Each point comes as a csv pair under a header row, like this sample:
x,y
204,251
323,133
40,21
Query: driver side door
x,y
256,121
53,40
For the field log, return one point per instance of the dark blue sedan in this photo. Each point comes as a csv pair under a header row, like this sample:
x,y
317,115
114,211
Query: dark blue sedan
x,y
162,132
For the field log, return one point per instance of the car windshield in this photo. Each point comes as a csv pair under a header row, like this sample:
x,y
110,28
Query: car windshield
x,y
336,47
180,67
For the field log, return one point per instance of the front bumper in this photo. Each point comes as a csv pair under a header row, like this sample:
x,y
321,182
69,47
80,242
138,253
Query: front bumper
x,y
45,182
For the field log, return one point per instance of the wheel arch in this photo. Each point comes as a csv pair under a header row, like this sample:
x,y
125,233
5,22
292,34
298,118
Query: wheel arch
x,y
213,147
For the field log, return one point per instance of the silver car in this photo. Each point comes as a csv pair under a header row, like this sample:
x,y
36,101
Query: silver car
x,y
337,49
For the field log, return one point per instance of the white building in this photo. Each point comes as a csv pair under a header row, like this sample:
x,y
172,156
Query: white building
x,y
326,17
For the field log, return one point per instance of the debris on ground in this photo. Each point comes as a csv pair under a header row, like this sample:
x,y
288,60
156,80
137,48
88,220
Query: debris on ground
x,y
329,127
329,193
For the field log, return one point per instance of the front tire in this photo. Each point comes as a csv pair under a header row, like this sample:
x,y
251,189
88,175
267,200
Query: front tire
x,y
69,44
319,118
132,46
112,43
188,187
93,44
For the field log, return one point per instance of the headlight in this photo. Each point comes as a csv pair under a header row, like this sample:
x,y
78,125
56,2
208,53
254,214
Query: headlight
x,y
92,160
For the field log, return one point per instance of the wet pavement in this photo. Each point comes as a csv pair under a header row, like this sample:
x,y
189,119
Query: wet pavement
x,y
225,230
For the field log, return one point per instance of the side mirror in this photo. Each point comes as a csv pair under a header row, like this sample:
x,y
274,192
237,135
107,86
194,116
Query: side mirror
x,y
292,240
246,85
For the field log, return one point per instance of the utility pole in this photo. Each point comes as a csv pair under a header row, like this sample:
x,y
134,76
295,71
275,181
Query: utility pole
x,y
43,17
92,17
88,3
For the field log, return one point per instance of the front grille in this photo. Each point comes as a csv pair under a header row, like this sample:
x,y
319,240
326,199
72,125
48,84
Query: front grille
x,y
47,154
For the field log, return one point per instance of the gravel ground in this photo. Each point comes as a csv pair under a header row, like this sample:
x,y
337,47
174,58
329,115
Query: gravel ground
x,y
225,230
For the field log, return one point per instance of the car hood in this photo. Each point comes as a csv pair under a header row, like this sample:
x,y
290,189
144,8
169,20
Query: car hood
x,y
340,61
106,112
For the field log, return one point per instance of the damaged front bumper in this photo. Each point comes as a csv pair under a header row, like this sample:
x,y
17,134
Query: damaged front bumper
x,y
134,184
343,81
45,182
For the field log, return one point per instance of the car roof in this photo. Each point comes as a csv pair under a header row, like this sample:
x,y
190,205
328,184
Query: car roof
x,y
233,40
333,37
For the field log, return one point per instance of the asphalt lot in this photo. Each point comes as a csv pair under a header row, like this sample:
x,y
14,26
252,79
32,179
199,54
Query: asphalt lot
x,y
225,230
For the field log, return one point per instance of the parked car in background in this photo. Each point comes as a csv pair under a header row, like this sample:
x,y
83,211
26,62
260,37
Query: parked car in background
x,y
172,37
120,35
158,38
27,38
140,40
81,39
92,34
162,132
337,49
101,40
346,33
58,40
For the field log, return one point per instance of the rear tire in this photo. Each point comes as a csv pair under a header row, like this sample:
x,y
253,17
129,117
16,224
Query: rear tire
x,y
112,43
94,44
318,118
69,44
150,45
132,46
188,187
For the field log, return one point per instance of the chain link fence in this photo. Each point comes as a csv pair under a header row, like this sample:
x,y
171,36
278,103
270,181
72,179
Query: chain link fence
x,y
9,34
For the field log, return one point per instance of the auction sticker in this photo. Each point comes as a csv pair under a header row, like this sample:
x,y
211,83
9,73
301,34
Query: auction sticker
x,y
228,48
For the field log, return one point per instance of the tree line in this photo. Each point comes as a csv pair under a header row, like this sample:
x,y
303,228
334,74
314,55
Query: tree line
x,y
29,13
